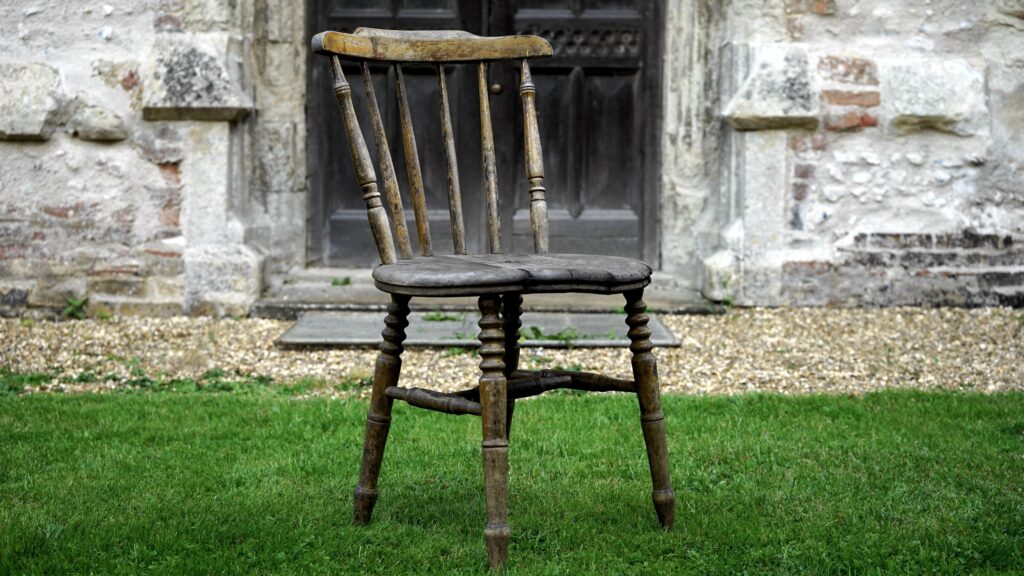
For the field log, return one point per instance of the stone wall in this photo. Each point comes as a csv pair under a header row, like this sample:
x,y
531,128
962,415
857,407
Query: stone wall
x,y
151,162
818,152
870,152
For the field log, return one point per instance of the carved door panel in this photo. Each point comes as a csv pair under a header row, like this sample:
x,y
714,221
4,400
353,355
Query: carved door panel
x,y
339,234
598,100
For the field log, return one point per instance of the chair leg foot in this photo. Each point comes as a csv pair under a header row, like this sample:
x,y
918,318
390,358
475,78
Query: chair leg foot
x,y
665,506
652,419
364,501
378,421
497,538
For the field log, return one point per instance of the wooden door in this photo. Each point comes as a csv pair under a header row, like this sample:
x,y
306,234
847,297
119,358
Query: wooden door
x,y
598,100
599,104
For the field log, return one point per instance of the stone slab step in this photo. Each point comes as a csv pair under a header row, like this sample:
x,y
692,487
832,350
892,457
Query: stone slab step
x,y
449,329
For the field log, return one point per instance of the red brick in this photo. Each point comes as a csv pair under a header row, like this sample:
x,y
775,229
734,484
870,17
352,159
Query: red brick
x,y
804,171
850,121
170,216
852,98
38,235
130,80
171,171
823,7
9,251
849,70
797,143
819,141
800,191
62,212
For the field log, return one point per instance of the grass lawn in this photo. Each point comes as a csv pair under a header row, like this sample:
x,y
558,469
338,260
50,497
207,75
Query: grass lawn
x,y
170,483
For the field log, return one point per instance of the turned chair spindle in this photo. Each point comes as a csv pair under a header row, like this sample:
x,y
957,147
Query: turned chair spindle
x,y
498,279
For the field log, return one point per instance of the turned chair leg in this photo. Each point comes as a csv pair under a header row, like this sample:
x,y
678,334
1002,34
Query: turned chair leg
x,y
652,419
493,396
511,314
378,421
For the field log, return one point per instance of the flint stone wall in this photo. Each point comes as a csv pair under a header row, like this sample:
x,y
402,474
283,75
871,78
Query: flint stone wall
x,y
815,152
149,159
897,180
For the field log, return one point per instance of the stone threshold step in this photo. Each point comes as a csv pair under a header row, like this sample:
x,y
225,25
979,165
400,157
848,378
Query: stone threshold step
x,y
459,329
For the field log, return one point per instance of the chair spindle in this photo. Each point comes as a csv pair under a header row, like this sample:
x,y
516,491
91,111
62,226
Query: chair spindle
x,y
454,194
534,162
364,167
412,165
387,168
489,163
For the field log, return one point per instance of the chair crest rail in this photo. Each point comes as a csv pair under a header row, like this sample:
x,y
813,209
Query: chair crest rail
x,y
428,46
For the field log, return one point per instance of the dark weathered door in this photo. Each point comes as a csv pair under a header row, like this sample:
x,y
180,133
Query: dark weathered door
x,y
598,101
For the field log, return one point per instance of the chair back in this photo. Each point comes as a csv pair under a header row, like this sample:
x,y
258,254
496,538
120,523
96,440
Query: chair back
x,y
439,48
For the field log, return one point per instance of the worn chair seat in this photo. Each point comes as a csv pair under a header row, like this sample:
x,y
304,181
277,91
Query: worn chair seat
x,y
507,273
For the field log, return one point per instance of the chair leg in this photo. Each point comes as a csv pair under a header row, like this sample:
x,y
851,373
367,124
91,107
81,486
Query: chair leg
x,y
378,421
511,314
652,419
493,396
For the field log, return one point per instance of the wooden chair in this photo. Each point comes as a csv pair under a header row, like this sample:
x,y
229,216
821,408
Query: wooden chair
x,y
499,280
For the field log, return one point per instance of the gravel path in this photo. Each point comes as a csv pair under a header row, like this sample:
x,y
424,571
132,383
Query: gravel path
x,y
792,351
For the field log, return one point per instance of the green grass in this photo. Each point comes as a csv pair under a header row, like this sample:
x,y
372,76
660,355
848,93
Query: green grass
x,y
246,484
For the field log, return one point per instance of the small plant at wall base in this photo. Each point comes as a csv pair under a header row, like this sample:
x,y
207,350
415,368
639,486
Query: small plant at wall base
x,y
75,308
347,280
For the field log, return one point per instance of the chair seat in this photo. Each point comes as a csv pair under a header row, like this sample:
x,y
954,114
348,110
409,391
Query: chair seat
x,y
505,273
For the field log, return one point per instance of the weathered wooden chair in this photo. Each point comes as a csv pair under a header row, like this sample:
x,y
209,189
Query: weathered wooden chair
x,y
500,280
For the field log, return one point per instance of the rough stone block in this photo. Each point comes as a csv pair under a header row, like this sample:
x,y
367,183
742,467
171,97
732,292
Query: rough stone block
x,y
14,296
1011,7
119,285
57,294
222,280
721,278
186,77
30,101
97,124
945,95
276,153
777,94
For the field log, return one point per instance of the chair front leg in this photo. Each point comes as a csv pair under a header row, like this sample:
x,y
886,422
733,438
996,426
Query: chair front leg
x,y
493,396
511,314
652,419
378,421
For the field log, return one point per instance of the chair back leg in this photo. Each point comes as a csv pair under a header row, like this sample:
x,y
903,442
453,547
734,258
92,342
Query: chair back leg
x,y
652,419
378,421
